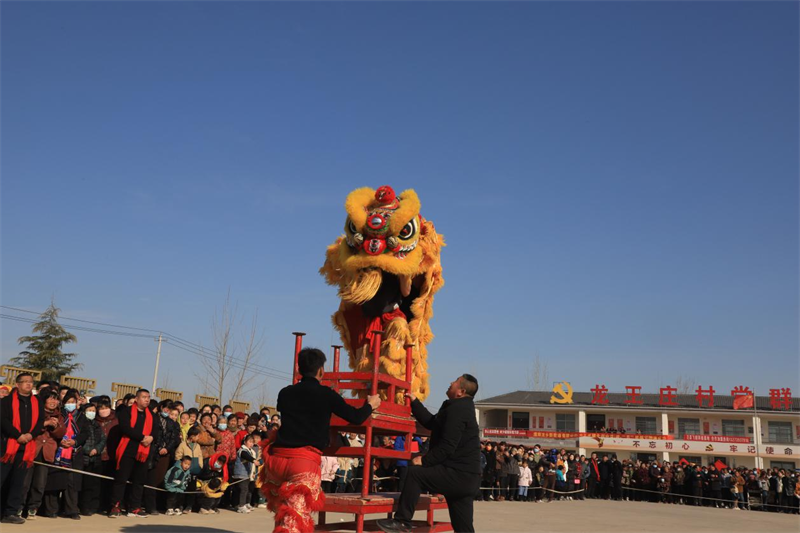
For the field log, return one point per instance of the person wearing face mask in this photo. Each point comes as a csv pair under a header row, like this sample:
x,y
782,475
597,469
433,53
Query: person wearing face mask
x,y
228,448
68,455
216,467
107,421
92,459
164,445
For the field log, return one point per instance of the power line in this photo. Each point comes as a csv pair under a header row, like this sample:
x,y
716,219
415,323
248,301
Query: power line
x,y
126,334
79,328
81,320
233,364
250,367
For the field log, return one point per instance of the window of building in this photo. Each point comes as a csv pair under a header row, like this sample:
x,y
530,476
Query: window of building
x,y
733,428
519,421
780,431
646,425
595,422
565,422
649,457
786,465
689,426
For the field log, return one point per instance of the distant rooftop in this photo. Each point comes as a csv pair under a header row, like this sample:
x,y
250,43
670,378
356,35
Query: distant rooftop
x,y
617,399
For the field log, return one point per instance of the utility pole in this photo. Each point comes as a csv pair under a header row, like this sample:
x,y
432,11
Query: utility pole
x,y
158,358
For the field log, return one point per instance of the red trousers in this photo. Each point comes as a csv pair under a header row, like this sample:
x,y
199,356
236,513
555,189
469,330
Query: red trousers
x,y
291,483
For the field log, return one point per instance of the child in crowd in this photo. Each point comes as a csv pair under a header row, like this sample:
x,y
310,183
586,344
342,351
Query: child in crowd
x,y
192,449
185,425
561,480
213,489
216,467
525,478
176,481
244,471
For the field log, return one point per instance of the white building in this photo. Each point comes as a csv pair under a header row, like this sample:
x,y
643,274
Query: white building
x,y
765,436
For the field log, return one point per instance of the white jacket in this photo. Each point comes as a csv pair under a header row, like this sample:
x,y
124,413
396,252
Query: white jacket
x,y
525,476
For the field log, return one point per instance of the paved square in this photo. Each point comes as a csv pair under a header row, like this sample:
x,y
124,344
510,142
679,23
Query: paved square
x,y
490,517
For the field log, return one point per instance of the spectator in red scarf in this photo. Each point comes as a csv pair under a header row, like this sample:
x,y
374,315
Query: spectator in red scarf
x,y
167,439
46,447
138,429
21,421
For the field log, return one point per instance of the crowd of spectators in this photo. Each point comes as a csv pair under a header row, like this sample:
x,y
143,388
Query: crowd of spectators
x,y
59,459
202,459
518,473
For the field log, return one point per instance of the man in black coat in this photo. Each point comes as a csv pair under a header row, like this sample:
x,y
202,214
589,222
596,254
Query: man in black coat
x,y
14,469
605,478
130,465
616,478
452,465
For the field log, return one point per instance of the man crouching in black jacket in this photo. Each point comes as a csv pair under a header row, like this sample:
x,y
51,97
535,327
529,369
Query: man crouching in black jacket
x,y
452,467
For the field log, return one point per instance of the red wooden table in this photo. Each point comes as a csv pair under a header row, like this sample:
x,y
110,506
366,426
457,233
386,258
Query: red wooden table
x,y
380,503
390,419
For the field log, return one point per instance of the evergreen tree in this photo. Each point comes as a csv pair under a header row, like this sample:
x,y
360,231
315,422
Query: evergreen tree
x,y
44,347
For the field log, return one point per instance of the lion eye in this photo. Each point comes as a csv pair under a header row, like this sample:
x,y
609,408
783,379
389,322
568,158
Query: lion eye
x,y
352,227
409,230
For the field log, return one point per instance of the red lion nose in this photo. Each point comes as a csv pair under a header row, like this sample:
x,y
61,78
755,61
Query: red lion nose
x,y
374,246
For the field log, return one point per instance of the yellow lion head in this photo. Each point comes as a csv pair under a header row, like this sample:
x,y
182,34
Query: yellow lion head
x,y
386,266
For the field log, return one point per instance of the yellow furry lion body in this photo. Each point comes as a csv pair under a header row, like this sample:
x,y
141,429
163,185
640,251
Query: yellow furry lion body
x,y
387,270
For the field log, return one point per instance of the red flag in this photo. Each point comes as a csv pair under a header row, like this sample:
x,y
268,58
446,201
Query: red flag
x,y
683,461
743,402
720,465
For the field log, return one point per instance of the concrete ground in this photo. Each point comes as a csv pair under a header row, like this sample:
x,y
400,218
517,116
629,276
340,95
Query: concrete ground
x,y
564,516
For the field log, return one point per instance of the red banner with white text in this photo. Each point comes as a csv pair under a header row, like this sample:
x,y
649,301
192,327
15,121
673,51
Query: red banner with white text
x,y
562,435
718,438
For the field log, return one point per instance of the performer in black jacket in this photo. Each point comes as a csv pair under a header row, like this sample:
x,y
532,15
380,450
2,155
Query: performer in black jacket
x,y
452,467
291,475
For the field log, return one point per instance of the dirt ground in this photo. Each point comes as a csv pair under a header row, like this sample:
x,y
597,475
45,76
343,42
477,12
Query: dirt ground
x,y
565,516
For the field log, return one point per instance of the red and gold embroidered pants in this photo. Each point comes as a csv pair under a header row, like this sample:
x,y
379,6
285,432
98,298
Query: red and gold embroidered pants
x,y
292,485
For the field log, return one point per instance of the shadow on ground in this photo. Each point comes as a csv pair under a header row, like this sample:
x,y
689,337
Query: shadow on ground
x,y
158,528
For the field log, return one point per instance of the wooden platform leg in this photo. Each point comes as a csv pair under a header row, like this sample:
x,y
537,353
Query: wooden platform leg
x,y
322,518
359,523
430,517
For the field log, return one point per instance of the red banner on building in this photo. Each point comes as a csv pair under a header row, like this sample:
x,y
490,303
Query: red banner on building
x,y
563,435
717,438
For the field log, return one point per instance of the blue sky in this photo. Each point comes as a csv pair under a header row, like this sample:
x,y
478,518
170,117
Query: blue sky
x,y
617,182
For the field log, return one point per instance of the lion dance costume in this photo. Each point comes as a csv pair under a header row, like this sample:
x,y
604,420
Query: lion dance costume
x,y
387,268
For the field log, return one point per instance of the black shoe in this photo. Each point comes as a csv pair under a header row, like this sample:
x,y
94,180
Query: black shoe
x,y
390,525
13,519
75,516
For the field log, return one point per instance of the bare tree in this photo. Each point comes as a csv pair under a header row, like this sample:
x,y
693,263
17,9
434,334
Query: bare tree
x,y
224,370
685,384
252,343
538,375
166,381
262,397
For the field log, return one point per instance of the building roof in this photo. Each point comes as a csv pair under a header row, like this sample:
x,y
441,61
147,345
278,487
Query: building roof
x,y
617,400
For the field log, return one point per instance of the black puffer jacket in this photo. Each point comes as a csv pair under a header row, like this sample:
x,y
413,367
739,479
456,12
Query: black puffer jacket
x,y
168,437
